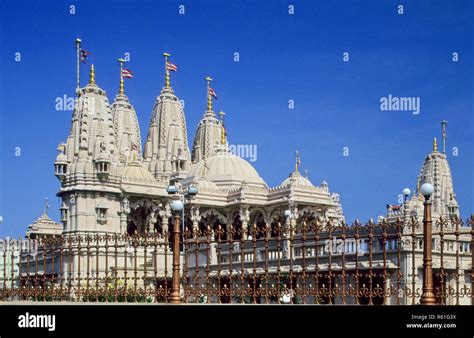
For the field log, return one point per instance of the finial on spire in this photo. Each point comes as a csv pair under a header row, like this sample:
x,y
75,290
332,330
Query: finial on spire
x,y
121,88
223,131
209,97
46,205
78,63
167,71
443,130
435,145
92,75
298,160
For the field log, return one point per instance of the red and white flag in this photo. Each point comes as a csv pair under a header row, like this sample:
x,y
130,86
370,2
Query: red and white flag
x,y
212,93
127,73
172,67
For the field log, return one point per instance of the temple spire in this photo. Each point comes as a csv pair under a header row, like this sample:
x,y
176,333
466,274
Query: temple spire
x,y
223,131
435,145
92,75
121,88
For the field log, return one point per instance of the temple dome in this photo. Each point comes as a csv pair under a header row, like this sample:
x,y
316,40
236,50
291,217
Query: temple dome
x,y
297,180
135,171
226,169
203,184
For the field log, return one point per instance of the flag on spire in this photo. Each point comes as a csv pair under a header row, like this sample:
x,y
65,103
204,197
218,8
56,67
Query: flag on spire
x,y
172,67
212,93
127,73
84,54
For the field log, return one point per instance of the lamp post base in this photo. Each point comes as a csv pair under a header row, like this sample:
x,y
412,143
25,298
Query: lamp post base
x,y
428,298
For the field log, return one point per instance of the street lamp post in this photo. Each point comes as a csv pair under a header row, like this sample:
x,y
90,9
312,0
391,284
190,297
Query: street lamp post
x,y
177,207
427,297
177,190
178,210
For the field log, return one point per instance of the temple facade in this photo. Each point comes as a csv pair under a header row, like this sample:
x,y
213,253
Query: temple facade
x,y
110,185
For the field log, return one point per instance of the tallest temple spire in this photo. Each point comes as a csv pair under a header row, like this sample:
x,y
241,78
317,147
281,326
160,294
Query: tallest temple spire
x,y
166,147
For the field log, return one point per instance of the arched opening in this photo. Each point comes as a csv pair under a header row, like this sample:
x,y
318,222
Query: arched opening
x,y
258,220
237,227
137,221
277,227
212,221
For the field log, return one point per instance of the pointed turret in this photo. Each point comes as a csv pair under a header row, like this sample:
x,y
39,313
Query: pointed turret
x,y
91,144
166,147
209,130
126,123
436,170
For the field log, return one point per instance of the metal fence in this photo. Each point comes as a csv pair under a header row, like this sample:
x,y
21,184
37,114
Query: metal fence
x,y
312,262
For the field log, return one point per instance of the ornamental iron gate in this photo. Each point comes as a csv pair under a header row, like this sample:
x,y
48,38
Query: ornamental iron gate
x,y
313,262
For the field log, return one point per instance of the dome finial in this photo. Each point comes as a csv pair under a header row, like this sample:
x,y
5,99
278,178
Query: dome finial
x,y
298,160
92,75
435,145
223,131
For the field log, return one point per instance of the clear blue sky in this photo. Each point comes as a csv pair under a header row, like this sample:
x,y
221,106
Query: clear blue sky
x,y
282,57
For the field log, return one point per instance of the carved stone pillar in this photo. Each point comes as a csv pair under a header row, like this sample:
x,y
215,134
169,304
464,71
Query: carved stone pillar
x,y
244,218
195,218
165,214
290,225
213,247
293,218
151,222
124,211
